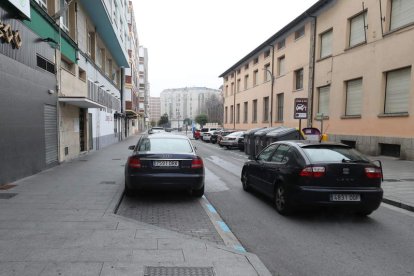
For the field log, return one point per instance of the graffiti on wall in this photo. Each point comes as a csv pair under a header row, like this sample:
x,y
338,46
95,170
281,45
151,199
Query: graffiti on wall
x,y
7,35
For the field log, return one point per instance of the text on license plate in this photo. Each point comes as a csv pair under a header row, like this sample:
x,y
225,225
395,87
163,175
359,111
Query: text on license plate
x,y
345,197
165,163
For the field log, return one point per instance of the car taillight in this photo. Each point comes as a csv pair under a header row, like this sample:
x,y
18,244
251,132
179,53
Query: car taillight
x,y
313,172
134,162
373,172
197,163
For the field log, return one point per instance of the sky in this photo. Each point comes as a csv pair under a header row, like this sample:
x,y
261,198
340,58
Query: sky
x,y
192,42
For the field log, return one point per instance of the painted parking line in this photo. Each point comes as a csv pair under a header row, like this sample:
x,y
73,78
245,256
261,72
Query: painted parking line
x,y
222,228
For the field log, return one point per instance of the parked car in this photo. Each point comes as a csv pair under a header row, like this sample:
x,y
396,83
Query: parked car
x,y
214,135
196,134
164,161
240,142
156,130
206,131
231,140
223,133
306,173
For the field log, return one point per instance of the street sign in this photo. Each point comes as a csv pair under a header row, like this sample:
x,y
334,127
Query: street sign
x,y
301,108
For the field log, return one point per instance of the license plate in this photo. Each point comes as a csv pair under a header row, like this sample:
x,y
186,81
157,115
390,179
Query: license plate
x,y
165,163
345,197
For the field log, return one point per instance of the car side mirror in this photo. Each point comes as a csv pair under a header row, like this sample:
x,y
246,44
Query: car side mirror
x,y
131,147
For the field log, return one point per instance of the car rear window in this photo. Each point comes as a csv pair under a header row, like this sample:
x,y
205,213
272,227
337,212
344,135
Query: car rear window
x,y
204,130
167,145
333,154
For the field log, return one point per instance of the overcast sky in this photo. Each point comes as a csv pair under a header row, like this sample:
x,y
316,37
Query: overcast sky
x,y
191,42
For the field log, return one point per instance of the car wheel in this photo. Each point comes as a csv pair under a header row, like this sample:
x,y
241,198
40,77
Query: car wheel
x,y
240,149
282,201
245,181
228,147
220,145
198,192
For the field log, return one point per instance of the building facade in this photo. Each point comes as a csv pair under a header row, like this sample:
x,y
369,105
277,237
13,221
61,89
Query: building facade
x,y
144,88
154,110
182,103
352,65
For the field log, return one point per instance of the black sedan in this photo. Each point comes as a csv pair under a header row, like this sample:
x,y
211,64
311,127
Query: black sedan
x,y
295,173
164,161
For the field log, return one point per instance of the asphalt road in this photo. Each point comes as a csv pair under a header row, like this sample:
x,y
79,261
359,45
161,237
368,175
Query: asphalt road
x,y
312,242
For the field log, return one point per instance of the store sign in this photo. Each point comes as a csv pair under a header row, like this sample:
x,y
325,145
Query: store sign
x,y
23,6
10,36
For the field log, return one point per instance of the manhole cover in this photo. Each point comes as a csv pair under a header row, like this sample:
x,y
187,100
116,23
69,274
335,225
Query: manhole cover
x,y
7,196
108,182
178,271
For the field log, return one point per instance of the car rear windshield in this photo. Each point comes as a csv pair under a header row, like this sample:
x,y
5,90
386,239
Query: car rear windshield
x,y
167,145
204,130
333,154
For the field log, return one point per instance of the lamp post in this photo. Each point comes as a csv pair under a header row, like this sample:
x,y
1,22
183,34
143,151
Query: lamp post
x,y
271,95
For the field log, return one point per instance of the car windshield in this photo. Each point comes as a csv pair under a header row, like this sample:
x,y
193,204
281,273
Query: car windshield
x,y
333,154
165,145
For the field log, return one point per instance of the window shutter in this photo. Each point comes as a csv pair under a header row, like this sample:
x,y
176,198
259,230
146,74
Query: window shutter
x,y
397,91
324,100
357,34
326,44
354,97
402,13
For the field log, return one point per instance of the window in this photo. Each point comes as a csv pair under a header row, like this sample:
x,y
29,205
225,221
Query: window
x,y
67,65
279,154
266,54
246,82
326,44
300,32
402,13
108,66
267,72
299,79
357,30
238,113
323,100
91,43
231,114
232,88
238,71
280,99
255,77
225,115
82,74
255,60
245,110
64,19
281,44
265,109
353,97
227,90
238,85
397,93
254,114
43,63
246,66
43,4
267,152
281,66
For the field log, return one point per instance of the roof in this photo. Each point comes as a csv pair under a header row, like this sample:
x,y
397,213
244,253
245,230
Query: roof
x,y
308,13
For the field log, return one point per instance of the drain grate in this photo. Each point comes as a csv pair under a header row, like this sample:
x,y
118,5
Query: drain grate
x,y
108,182
7,195
7,186
178,271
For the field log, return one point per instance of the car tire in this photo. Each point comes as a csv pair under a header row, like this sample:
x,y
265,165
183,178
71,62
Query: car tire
x,y
245,181
282,200
198,192
228,147
220,145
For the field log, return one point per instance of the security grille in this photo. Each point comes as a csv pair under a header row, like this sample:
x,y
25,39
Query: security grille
x,y
51,143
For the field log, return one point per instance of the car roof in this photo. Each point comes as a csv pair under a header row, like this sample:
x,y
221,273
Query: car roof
x,y
166,135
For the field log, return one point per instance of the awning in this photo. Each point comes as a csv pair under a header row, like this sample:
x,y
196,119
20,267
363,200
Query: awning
x,y
131,113
81,102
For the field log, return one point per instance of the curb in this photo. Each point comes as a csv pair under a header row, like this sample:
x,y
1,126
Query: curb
x,y
398,204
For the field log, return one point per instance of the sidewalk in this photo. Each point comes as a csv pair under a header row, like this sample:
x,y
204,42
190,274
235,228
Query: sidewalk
x,y
51,224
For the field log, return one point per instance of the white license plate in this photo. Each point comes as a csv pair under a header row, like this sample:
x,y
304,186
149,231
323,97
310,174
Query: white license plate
x,y
166,163
345,197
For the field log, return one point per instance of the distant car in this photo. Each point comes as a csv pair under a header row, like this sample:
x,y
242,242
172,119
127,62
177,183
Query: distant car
x,y
214,135
231,140
306,173
156,130
164,161
206,131
240,142
196,134
223,133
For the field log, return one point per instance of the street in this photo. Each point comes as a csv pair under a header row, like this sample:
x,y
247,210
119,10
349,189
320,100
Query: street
x,y
314,242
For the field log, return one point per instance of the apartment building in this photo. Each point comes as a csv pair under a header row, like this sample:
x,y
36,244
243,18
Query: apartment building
x,y
154,109
144,88
62,80
350,61
188,102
